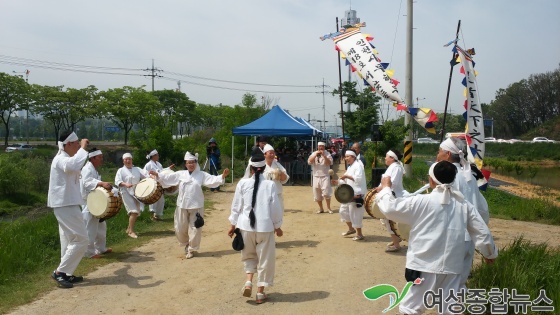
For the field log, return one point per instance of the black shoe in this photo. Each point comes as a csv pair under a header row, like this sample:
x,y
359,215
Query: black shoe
x,y
62,280
75,279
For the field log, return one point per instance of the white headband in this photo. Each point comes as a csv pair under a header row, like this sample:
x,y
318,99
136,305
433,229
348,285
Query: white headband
x,y
154,152
267,147
320,143
190,157
447,189
350,152
94,153
126,155
431,173
258,164
393,155
449,146
71,138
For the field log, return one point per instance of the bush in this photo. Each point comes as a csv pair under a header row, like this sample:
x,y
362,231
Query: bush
x,y
15,176
524,266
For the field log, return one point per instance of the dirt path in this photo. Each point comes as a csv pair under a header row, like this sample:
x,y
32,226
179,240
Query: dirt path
x,y
316,269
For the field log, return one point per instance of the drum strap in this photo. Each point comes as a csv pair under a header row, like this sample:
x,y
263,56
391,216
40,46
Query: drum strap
x,y
393,227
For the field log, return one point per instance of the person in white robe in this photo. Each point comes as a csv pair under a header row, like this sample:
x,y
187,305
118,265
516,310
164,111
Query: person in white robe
x,y
65,198
275,171
126,179
352,213
96,228
156,209
190,200
321,161
257,212
438,222
452,150
395,170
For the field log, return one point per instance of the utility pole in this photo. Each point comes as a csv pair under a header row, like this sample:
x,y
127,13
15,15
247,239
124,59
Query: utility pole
x,y
408,99
153,74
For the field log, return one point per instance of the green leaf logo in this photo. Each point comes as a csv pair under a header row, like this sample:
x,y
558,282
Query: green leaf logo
x,y
381,290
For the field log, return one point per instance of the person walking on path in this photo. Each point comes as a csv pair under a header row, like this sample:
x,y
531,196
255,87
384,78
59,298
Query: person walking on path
x,y
65,198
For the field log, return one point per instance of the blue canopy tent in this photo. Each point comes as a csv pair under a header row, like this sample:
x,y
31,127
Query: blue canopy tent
x,y
277,122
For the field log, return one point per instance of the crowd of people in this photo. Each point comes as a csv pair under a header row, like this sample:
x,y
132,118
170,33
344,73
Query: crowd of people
x,y
446,225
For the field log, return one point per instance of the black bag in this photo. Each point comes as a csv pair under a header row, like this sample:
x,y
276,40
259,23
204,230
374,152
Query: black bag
x,y
359,202
410,275
199,222
237,243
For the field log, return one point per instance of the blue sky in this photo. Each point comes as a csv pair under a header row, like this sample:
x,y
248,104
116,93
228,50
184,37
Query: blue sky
x,y
276,43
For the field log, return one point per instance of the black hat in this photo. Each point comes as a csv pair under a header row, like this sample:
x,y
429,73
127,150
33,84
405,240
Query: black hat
x,y
257,155
262,139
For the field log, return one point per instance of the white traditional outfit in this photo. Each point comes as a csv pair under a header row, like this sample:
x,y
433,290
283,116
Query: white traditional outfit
x,y
396,171
96,230
190,201
157,207
322,188
467,185
349,212
272,171
436,247
65,198
131,176
259,252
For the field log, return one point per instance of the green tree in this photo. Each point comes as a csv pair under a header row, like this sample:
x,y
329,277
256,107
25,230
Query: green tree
x,y
177,108
358,124
49,102
14,94
79,104
127,106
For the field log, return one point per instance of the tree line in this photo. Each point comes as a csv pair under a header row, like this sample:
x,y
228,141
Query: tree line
x,y
128,108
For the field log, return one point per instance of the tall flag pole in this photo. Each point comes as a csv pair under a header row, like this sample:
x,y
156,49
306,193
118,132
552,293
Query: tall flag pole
x,y
453,62
340,89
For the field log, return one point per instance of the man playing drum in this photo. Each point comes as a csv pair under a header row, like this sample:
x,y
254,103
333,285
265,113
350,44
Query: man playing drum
x,y
156,209
65,198
439,222
353,212
126,179
96,228
452,150
321,161
395,170
190,200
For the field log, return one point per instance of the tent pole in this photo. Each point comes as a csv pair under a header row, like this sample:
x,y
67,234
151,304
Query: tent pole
x,y
232,157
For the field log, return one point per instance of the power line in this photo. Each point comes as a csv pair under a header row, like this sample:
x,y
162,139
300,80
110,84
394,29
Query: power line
x,y
61,65
235,89
237,82
154,73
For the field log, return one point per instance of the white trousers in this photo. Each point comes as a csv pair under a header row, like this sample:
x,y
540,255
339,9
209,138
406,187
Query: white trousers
x,y
259,256
322,188
350,213
185,231
131,204
73,237
97,233
413,301
157,207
